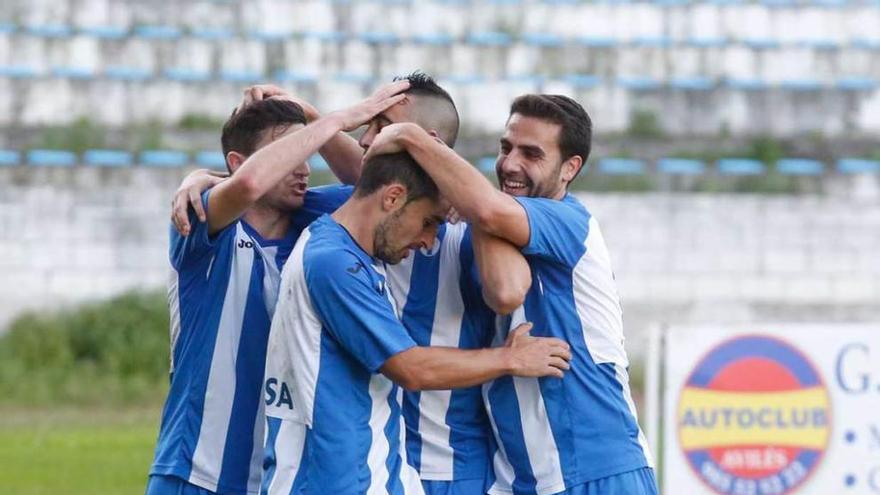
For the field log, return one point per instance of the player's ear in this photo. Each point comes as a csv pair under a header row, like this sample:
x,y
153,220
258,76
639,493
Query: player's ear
x,y
570,168
234,160
393,197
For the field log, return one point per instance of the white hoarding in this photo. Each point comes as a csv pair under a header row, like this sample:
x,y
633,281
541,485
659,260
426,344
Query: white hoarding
x,y
772,410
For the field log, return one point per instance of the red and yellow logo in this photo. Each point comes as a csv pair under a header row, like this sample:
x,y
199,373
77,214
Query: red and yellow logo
x,y
754,417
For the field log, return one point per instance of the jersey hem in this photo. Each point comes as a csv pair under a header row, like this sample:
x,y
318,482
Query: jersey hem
x,y
447,476
193,479
580,480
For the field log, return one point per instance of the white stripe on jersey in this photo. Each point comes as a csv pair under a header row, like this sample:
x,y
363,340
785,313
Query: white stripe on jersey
x,y
271,278
409,477
174,312
289,448
304,344
623,377
220,391
596,302
380,388
437,454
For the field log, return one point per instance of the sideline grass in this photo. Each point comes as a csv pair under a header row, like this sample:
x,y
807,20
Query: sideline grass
x,y
76,451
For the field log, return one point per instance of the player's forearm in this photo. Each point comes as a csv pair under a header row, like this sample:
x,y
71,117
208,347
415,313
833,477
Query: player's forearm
x,y
442,368
270,164
459,182
505,276
344,156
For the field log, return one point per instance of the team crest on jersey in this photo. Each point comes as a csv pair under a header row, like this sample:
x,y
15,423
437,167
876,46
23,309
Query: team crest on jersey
x,y
754,417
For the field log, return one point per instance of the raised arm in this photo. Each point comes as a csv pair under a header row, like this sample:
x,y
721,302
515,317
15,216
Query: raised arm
x,y
505,276
439,368
270,164
475,198
342,152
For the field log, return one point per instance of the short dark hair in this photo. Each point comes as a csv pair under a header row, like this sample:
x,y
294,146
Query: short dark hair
x,y
401,168
245,127
576,133
421,84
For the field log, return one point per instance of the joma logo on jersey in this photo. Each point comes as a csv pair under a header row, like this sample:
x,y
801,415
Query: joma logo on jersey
x,y
242,243
754,417
278,394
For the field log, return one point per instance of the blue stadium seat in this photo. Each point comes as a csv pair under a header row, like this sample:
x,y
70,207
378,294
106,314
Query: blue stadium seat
x,y
801,85
51,158
241,76
707,42
858,166
543,39
317,162
73,72
212,34
9,158
830,3
158,32
596,41
533,79
379,37
856,84
761,43
105,32
329,36
163,158
352,77
50,30
819,44
740,166
621,166
643,83
269,36
489,38
692,83
295,76
211,159
487,163
799,166
7,27
126,73
680,166
18,71
583,81
652,41
865,44
778,3
747,84
432,39
186,74
107,158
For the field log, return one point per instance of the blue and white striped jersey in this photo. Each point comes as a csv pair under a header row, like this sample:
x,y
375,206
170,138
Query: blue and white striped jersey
x,y
554,434
221,296
334,422
448,432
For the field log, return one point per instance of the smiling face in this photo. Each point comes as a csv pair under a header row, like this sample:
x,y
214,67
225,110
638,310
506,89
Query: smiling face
x,y
412,226
289,193
529,162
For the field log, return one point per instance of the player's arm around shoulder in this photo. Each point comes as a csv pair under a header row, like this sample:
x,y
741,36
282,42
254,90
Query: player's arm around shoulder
x,y
188,250
439,368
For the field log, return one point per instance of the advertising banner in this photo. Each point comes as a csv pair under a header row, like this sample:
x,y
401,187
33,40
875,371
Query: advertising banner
x,y
772,410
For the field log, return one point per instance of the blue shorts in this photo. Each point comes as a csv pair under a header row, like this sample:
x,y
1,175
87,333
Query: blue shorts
x,y
172,485
460,487
637,482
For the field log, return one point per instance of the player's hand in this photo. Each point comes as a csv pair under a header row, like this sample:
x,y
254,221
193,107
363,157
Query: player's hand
x,y
388,140
259,92
384,98
537,356
190,194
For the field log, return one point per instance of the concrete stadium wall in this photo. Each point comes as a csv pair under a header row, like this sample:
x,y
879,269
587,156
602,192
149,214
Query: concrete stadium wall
x,y
69,235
